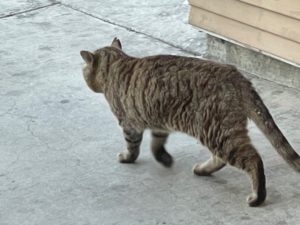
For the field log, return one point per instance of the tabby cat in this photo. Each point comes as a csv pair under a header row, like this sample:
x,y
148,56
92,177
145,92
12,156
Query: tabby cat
x,y
204,99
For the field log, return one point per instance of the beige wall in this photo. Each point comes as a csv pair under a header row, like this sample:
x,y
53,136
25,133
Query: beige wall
x,y
271,26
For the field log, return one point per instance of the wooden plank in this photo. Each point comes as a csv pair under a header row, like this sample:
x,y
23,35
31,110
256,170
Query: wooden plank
x,y
287,7
258,17
245,34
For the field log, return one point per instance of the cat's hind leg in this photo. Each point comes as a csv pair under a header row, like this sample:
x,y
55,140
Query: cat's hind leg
x,y
133,139
245,157
158,150
208,167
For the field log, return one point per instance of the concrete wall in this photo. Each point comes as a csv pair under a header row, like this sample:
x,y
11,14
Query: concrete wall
x,y
252,62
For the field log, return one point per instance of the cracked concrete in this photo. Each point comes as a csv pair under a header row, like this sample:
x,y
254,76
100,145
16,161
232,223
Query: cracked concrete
x,y
59,140
15,7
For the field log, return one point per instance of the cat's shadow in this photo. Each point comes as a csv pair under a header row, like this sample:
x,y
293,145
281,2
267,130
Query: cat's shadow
x,y
273,197
222,178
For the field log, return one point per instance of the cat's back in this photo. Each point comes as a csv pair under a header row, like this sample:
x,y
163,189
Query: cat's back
x,y
162,64
163,86
174,69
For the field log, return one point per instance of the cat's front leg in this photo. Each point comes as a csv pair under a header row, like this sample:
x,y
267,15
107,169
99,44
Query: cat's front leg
x,y
133,139
159,152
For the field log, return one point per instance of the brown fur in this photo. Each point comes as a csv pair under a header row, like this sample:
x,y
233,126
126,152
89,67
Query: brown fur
x,y
207,100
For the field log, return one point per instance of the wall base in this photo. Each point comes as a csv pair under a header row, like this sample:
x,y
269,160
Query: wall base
x,y
252,62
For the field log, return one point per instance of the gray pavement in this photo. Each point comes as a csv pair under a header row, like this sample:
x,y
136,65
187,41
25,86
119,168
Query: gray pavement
x,y
59,140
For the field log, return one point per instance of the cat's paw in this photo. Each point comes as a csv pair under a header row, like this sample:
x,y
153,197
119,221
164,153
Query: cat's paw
x,y
255,200
126,157
165,159
199,170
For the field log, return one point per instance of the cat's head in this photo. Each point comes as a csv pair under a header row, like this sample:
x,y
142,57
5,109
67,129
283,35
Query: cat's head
x,y
92,72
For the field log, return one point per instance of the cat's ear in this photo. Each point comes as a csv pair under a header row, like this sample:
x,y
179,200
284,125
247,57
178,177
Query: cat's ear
x,y
87,56
116,43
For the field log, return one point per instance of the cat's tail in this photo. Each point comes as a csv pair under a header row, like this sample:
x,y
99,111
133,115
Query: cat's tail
x,y
258,112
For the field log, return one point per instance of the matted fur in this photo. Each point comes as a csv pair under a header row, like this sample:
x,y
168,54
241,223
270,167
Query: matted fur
x,y
207,100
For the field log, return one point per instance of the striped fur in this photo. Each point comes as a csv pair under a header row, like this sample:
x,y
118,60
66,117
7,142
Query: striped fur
x,y
204,99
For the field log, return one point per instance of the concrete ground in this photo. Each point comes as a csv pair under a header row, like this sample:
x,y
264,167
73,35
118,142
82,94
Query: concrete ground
x,y
59,140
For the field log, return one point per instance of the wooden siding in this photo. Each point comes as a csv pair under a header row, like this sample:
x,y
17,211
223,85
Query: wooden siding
x,y
256,27
289,8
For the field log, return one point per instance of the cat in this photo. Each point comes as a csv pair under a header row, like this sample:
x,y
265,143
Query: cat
x,y
204,99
